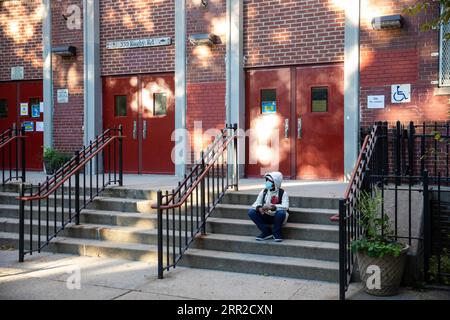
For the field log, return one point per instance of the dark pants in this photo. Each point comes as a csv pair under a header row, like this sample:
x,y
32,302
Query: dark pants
x,y
263,220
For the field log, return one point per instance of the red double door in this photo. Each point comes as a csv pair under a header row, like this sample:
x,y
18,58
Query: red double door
x,y
144,106
296,117
27,94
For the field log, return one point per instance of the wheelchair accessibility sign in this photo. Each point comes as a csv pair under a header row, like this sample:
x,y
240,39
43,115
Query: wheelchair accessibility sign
x,y
400,93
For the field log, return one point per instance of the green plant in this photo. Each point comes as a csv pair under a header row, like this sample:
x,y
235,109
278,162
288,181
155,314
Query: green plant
x,y
54,158
377,241
444,267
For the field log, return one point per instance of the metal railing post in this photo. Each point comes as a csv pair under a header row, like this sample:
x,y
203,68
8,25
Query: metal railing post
x,y
77,190
236,158
203,196
120,156
160,235
427,226
342,253
22,223
411,148
23,164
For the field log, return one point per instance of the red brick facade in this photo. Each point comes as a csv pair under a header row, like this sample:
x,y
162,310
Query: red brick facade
x,y
21,38
400,56
68,74
206,79
276,33
137,19
293,32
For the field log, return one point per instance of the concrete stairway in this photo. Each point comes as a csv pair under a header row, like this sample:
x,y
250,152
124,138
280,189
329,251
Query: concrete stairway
x,y
121,224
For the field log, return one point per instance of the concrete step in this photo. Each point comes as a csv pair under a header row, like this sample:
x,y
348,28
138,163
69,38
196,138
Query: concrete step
x,y
244,244
328,251
262,264
91,248
111,191
297,215
245,198
298,231
100,202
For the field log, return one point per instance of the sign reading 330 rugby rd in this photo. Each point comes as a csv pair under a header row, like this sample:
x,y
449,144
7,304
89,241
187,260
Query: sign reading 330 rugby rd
x,y
139,43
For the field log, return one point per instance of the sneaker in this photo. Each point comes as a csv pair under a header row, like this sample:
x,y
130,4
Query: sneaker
x,y
263,237
277,239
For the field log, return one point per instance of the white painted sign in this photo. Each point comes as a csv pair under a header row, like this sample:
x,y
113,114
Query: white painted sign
x,y
39,126
139,43
62,95
400,93
41,107
375,102
17,73
24,109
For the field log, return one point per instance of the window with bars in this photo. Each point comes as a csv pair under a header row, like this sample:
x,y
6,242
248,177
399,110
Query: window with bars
x,y
444,57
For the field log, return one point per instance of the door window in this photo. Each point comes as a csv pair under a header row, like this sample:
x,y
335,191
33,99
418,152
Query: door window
x,y
120,109
3,108
268,101
159,104
319,99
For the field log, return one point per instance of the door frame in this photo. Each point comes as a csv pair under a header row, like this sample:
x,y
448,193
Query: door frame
x,y
293,106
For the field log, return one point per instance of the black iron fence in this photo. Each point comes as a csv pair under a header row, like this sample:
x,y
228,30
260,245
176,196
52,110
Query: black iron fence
x,y
407,166
12,155
50,206
182,213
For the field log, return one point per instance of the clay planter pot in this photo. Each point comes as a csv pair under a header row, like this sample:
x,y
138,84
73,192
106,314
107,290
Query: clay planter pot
x,y
391,272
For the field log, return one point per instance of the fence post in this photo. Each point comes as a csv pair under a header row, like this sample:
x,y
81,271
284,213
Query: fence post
x,y
236,158
160,235
422,150
77,189
342,253
397,148
22,223
411,148
120,156
203,196
427,226
22,144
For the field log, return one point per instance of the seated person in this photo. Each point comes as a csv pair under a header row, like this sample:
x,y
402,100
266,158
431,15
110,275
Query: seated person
x,y
270,208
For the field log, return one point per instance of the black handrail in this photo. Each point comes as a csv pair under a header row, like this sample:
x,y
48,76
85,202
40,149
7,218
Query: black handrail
x,y
182,214
101,158
12,155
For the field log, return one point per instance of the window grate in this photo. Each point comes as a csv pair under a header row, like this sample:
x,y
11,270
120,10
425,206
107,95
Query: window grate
x,y
444,72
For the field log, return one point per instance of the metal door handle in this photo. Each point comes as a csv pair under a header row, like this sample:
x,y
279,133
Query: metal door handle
x,y
144,130
299,128
134,130
286,128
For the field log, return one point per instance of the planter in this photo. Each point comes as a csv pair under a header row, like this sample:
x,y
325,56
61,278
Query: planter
x,y
391,269
49,169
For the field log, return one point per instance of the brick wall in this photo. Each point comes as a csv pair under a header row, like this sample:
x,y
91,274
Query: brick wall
x,y
206,78
400,56
68,74
21,38
137,19
292,32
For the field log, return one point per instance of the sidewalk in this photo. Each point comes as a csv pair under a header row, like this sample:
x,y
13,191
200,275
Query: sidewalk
x,y
45,276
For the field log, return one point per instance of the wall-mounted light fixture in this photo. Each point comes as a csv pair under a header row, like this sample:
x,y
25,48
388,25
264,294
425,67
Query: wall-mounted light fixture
x,y
204,39
66,51
387,22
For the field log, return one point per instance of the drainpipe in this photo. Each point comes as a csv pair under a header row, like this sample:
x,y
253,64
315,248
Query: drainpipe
x,y
180,135
47,73
351,85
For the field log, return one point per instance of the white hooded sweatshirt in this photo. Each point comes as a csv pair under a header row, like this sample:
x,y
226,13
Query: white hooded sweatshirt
x,y
277,179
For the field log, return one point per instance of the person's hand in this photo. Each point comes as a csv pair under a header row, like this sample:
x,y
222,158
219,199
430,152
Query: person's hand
x,y
262,210
268,207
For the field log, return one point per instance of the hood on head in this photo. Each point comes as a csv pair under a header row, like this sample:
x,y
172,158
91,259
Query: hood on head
x,y
276,177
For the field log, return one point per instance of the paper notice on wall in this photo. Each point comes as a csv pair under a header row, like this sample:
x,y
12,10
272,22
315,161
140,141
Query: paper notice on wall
x,y
24,109
40,126
41,107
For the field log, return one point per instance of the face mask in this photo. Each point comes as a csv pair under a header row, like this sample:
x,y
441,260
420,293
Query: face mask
x,y
268,185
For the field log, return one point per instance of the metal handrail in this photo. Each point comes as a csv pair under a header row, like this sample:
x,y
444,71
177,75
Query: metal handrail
x,y
71,173
7,139
197,182
196,196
